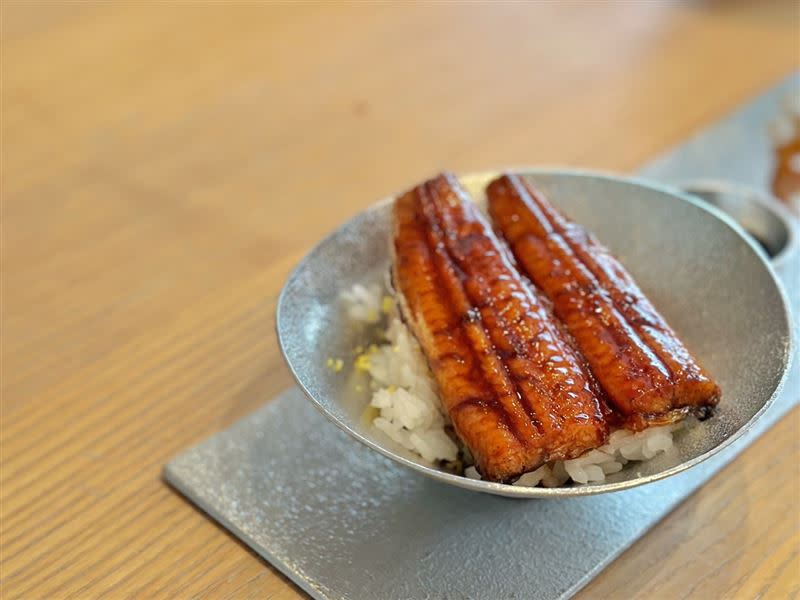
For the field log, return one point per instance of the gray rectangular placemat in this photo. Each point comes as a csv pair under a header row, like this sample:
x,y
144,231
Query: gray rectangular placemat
x,y
341,521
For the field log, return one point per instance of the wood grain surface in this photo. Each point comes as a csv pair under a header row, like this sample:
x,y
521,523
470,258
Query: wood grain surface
x,y
165,164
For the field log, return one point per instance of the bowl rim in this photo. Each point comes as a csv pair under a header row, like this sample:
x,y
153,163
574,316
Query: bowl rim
x,y
763,199
509,490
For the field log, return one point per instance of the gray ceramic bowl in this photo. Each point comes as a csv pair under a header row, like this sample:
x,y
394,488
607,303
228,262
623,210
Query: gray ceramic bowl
x,y
696,265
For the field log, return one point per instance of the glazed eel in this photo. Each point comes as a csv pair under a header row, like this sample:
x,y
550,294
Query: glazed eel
x,y
517,391
648,375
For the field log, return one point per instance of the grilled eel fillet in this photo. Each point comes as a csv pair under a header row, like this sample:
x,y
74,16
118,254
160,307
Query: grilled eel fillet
x,y
517,392
647,373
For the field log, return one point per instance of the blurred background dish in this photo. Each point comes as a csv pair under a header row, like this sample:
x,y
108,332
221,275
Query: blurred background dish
x,y
785,134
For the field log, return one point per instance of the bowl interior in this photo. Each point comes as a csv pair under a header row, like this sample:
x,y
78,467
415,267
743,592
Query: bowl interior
x,y
706,278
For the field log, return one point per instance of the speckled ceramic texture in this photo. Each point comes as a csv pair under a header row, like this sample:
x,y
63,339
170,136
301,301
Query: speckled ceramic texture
x,y
710,282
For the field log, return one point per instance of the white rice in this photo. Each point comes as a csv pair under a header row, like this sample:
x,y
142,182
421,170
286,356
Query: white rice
x,y
406,408
363,303
405,395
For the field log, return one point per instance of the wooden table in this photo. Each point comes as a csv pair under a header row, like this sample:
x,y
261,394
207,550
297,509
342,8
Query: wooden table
x,y
165,165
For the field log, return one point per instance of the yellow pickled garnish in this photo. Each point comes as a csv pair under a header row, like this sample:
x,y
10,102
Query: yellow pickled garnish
x,y
362,362
358,349
369,414
387,305
335,364
391,388
372,316
372,349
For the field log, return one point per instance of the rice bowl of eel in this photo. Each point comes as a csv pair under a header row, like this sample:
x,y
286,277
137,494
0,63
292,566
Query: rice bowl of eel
x,y
361,350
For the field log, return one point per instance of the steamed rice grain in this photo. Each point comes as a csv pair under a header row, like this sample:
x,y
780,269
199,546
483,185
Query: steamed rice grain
x,y
410,412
